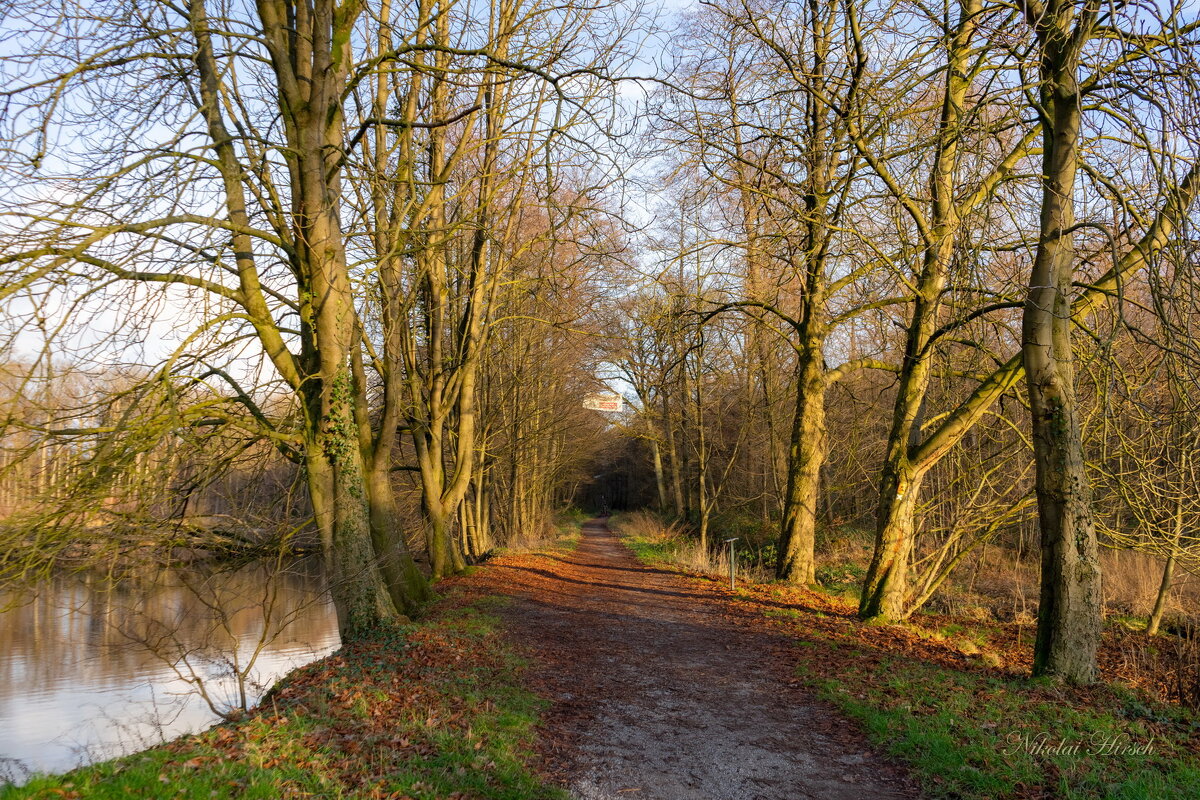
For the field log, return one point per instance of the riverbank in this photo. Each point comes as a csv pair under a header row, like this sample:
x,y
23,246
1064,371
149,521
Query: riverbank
x,y
434,709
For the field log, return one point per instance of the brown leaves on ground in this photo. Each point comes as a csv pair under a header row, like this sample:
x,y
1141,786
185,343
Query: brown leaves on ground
x,y
380,705
381,711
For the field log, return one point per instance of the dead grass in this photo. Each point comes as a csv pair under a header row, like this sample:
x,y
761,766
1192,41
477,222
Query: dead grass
x,y
669,543
554,533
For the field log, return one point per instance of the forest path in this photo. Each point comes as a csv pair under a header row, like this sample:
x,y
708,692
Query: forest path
x,y
662,689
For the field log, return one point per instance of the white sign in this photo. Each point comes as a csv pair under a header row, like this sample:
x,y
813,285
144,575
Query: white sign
x,y
604,402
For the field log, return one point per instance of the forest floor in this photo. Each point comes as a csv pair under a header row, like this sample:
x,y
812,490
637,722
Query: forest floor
x,y
590,673
660,688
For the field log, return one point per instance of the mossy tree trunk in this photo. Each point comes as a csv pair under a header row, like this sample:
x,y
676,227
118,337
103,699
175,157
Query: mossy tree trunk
x,y
796,560
338,488
311,56
1069,610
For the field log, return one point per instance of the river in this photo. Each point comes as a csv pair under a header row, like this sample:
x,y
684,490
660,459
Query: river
x,y
92,668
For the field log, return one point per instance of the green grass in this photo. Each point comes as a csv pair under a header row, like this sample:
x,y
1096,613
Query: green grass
x,y
783,613
650,547
973,734
568,525
649,551
573,516
429,710
841,579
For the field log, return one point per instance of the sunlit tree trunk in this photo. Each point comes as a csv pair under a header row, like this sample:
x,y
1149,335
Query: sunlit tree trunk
x,y
885,587
312,72
806,454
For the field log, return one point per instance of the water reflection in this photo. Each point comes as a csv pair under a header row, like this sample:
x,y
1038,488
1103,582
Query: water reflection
x,y
92,667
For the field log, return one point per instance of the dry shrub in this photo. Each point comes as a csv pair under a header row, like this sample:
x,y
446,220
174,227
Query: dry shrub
x,y
1131,580
1167,664
1008,586
689,555
647,526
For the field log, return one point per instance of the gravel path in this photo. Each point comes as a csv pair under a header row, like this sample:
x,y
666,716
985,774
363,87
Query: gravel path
x,y
660,689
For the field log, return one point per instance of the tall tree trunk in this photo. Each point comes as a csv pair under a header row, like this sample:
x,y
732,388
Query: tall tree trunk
x,y
673,458
445,555
405,582
1069,612
659,480
885,588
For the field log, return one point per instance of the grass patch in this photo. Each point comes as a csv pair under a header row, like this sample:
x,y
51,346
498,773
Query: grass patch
x,y
653,540
971,734
568,527
841,579
652,552
435,709
1129,621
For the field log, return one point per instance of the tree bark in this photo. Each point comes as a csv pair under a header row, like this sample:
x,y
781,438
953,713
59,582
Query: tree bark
x,y
1069,611
885,589
659,480
796,561
404,580
337,490
1160,600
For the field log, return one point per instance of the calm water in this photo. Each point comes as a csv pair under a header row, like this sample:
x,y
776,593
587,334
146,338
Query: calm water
x,y
91,669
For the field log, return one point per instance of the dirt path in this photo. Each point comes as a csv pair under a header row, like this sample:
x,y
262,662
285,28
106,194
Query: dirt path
x,y
660,689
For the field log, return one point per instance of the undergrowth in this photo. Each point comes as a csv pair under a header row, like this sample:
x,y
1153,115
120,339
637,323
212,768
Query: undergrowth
x,y
658,541
561,531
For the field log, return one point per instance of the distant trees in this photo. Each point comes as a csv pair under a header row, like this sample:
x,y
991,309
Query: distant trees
x,y
1145,452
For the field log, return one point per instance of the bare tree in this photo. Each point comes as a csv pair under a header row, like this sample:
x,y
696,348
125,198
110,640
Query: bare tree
x,y
219,176
1067,33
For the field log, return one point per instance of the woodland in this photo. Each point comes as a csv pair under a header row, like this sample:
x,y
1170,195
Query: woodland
x,y
898,294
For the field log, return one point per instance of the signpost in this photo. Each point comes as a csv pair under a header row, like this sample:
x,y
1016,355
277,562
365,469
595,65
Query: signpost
x,y
604,402
732,557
